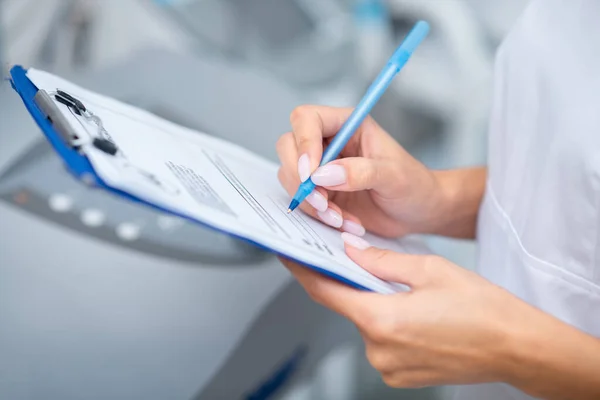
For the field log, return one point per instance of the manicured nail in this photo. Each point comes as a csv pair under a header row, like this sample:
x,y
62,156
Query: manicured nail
x,y
353,228
304,167
355,241
329,175
331,217
317,200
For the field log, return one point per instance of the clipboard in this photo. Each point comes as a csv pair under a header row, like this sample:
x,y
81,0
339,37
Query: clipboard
x,y
77,163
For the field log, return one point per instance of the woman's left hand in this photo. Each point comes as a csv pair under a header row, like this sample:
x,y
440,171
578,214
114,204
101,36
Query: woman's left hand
x,y
453,326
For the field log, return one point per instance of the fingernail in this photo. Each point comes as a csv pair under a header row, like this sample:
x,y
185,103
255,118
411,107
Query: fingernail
x,y
317,200
304,167
355,241
329,175
331,217
353,228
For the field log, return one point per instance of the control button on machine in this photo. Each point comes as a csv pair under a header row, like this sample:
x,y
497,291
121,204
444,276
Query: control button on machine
x,y
92,217
60,203
128,231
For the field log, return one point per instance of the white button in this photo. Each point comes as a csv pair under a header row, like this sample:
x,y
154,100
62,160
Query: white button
x,y
60,203
168,223
128,231
92,217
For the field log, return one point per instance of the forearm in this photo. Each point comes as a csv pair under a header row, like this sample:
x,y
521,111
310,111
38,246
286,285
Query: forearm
x,y
555,361
461,192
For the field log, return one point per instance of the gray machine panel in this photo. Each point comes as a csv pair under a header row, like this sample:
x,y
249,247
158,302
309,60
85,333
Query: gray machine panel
x,y
197,94
37,183
305,42
175,311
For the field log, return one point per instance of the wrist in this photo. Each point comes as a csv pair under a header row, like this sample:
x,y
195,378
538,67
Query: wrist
x,y
521,352
455,202
448,193
427,206
440,201
547,358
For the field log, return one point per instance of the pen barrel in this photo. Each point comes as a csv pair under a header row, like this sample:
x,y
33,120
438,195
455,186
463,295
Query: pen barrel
x,y
410,43
362,110
376,90
304,190
414,38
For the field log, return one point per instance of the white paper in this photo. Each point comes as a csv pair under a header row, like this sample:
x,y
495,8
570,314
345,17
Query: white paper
x,y
212,181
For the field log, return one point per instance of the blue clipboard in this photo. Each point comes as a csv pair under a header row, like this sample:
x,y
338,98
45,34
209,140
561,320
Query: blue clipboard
x,y
79,166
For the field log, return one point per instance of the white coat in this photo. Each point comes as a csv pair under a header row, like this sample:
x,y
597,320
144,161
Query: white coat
x,y
539,224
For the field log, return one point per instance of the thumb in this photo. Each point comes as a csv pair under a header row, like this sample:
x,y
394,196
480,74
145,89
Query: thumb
x,y
357,173
408,269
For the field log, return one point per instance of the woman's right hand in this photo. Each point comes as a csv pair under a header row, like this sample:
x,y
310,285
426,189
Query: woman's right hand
x,y
373,184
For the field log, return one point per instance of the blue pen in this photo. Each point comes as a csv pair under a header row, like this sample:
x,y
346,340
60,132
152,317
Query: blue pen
x,y
377,88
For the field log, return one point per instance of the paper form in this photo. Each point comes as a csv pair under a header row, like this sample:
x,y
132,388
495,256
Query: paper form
x,y
210,180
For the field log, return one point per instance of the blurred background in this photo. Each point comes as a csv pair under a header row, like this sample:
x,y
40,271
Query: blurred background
x,y
104,299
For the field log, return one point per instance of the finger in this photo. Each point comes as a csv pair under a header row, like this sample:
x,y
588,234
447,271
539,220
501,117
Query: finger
x,y
288,176
405,380
349,302
319,207
408,269
287,152
310,125
358,173
382,358
341,219
315,202
352,224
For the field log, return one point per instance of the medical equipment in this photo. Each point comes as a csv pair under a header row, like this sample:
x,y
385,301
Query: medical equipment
x,y
161,308
24,40
496,18
306,42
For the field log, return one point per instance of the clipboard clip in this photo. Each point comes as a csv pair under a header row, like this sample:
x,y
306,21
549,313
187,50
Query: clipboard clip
x,y
101,141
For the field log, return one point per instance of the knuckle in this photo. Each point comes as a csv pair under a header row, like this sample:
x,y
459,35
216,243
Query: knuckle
x,y
314,291
397,381
382,257
300,112
370,123
377,327
284,179
303,143
378,359
284,142
381,330
317,297
357,177
391,380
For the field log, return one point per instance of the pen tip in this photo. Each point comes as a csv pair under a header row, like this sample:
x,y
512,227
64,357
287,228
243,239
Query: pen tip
x,y
295,203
